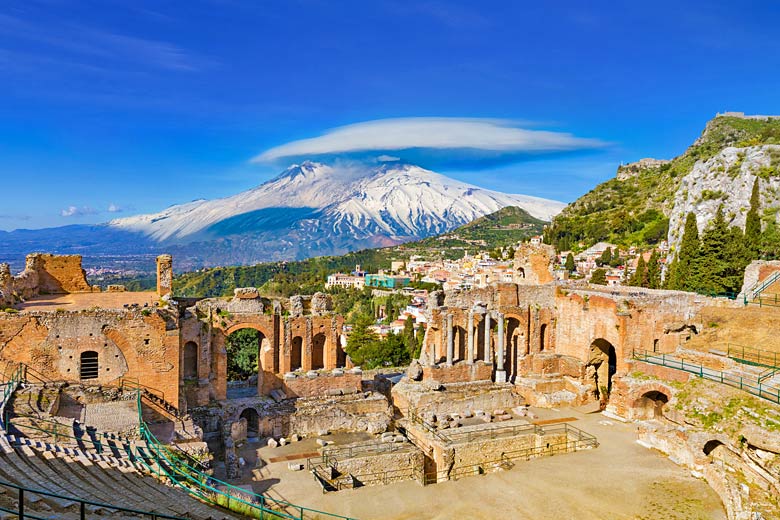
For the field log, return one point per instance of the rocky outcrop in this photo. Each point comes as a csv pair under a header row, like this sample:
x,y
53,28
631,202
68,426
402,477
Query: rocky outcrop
x,y
629,170
726,180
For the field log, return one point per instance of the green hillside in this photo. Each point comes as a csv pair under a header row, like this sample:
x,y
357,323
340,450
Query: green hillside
x,y
497,230
635,210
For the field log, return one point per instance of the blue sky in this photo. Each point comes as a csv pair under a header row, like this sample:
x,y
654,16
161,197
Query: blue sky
x,y
131,106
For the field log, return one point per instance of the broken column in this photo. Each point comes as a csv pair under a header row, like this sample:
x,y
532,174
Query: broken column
x,y
470,354
450,341
500,372
164,275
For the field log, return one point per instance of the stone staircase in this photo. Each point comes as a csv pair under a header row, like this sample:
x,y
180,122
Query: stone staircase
x,y
96,478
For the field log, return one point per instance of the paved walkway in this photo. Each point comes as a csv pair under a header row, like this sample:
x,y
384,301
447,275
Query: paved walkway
x,y
618,480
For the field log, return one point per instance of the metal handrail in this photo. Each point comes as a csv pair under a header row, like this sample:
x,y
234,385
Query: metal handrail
x,y
749,385
205,486
20,511
753,355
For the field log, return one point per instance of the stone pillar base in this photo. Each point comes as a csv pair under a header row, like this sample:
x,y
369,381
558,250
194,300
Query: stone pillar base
x,y
500,376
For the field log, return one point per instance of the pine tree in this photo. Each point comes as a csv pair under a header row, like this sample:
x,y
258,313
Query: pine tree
x,y
599,277
570,266
654,271
753,224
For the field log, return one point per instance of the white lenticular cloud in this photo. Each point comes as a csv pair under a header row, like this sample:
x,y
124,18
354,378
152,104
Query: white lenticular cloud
x,y
75,211
438,133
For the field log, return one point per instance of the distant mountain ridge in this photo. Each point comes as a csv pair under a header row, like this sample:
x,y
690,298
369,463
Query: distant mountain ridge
x,y
308,210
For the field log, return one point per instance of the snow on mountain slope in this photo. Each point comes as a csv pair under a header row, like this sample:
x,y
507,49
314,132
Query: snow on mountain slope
x,y
394,200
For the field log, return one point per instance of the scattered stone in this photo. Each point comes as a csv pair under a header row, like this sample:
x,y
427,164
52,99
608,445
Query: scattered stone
x,y
467,414
520,411
295,437
356,370
282,442
479,413
293,466
454,417
487,418
333,392
415,371
499,412
272,443
432,385
323,432
311,374
246,293
504,417
337,372
322,442
277,395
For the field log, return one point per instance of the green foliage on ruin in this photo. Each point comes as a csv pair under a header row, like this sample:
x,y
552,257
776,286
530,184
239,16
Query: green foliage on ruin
x,y
634,211
242,348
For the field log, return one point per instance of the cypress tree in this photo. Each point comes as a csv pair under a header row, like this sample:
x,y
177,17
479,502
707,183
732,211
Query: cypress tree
x,y
753,224
681,270
710,270
639,278
606,257
654,271
570,263
599,277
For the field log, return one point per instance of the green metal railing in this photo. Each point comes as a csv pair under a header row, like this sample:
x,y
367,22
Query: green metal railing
x,y
747,384
162,462
22,514
753,356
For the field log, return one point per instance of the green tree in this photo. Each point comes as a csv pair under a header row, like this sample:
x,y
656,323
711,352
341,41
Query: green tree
x,y
606,257
680,271
242,348
570,266
753,224
361,340
599,277
410,338
639,278
654,271
420,340
710,271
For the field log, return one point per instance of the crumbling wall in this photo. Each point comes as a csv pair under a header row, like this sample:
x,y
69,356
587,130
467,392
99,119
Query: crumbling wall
x,y
534,264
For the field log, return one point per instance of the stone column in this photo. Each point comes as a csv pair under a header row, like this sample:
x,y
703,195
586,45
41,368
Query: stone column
x,y
470,353
487,337
450,341
164,275
500,372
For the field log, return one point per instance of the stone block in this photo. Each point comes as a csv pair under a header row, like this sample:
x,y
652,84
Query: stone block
x,y
282,442
322,433
294,466
295,437
311,374
322,442
272,443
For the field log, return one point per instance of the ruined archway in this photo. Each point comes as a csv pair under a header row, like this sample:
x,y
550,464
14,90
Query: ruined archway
x,y
711,447
244,365
318,351
190,361
296,353
650,405
461,342
252,421
601,367
542,337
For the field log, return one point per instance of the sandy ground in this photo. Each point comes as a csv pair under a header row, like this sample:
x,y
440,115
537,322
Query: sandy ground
x,y
82,301
618,480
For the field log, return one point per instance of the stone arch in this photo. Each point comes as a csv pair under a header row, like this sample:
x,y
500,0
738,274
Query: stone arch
x,y
601,367
89,365
296,353
263,341
252,419
711,446
461,342
650,404
318,351
190,361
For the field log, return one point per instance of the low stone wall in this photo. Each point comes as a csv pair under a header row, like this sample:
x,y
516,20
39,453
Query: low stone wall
x,y
369,412
454,398
384,468
485,450
319,384
459,372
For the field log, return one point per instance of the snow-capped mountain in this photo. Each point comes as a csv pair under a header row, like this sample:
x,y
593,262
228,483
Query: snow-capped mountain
x,y
396,201
309,210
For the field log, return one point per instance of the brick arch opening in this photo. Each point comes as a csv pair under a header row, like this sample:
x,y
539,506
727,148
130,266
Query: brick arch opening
x,y
296,353
650,405
516,344
252,421
710,447
543,337
601,367
318,351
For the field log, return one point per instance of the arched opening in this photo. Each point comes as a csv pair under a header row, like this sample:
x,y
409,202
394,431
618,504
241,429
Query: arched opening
x,y
650,405
601,366
89,367
711,446
252,422
542,337
318,351
515,344
296,353
341,354
479,340
243,354
190,361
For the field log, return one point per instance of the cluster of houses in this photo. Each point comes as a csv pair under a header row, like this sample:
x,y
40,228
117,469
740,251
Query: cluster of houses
x,y
589,260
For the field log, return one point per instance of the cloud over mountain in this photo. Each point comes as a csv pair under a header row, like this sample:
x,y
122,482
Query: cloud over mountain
x,y
467,137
